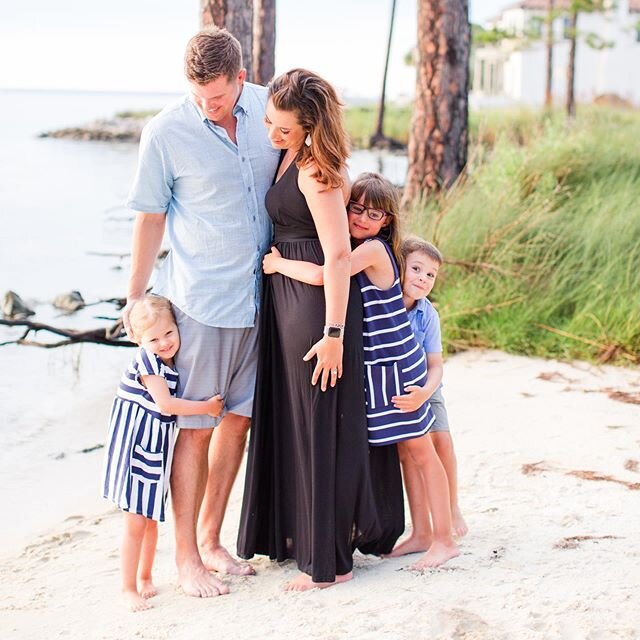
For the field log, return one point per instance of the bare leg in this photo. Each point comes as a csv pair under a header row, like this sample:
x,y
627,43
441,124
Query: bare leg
x,y
225,455
146,588
303,582
188,479
421,534
443,547
134,528
444,448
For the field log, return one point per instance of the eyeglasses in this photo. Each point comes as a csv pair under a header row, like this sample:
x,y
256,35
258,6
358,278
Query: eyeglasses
x,y
374,214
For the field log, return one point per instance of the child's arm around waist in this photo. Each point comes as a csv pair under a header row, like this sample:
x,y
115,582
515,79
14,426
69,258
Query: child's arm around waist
x,y
169,405
365,255
416,395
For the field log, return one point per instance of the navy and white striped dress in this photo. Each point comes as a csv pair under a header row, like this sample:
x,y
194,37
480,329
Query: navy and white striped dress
x,y
140,444
393,360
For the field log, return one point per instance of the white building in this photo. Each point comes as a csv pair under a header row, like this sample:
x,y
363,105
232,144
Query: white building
x,y
513,71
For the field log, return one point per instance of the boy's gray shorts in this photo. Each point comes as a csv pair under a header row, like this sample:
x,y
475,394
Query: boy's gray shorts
x,y
215,360
441,422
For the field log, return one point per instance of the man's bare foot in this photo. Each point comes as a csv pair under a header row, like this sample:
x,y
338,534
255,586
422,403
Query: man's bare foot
x,y
135,602
146,588
196,581
458,524
220,560
412,544
438,554
304,582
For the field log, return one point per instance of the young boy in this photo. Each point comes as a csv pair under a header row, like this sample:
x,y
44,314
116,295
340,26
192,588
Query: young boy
x,y
421,264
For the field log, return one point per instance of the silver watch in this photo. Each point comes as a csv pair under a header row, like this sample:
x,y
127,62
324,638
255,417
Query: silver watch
x,y
334,330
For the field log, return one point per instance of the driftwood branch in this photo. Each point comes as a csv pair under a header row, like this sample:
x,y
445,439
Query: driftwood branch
x,y
112,336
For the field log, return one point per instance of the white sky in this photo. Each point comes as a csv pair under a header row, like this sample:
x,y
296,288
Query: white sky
x,y
137,45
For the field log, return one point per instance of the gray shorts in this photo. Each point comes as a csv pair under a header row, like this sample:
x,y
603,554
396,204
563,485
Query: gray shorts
x,y
214,360
441,422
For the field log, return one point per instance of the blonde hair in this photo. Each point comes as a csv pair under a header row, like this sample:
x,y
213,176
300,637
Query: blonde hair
x,y
411,244
319,112
211,54
379,193
145,313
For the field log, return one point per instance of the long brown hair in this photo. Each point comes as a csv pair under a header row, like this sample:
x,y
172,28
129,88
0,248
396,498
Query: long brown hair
x,y
377,192
319,112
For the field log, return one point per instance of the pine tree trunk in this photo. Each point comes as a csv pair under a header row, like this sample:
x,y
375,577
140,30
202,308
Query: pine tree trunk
x,y
378,137
236,16
548,95
439,126
571,68
264,40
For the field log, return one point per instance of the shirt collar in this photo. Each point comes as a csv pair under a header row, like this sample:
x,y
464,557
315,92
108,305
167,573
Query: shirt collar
x,y
241,106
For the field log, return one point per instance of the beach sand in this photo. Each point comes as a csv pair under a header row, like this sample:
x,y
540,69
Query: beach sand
x,y
549,460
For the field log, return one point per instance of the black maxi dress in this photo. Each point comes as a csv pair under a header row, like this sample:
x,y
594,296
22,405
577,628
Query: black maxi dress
x,y
309,490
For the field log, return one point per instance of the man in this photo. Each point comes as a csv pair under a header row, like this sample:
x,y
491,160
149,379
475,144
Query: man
x,y
204,168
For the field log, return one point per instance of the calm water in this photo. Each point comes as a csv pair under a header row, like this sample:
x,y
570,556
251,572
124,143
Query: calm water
x,y
61,201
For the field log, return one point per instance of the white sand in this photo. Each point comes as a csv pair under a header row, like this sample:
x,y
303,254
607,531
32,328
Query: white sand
x,y
520,575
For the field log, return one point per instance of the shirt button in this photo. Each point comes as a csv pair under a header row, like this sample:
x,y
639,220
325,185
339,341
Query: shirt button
x,y
243,159
254,218
249,189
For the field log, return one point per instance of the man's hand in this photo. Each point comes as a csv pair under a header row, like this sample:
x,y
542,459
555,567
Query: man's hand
x,y
125,315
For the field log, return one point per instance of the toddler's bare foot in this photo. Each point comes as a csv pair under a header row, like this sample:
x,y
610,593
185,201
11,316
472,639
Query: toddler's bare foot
x,y
412,544
220,560
135,602
438,554
457,522
304,582
196,581
146,588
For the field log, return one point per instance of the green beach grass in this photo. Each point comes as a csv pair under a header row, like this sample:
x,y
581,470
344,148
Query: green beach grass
x,y
542,237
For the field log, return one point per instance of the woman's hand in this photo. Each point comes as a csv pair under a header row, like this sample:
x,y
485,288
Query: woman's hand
x,y
270,261
415,397
329,365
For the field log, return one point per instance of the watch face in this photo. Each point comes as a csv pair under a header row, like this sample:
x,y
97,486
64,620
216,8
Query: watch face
x,y
334,332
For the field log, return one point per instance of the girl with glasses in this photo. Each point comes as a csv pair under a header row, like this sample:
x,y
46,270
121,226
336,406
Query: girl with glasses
x,y
394,361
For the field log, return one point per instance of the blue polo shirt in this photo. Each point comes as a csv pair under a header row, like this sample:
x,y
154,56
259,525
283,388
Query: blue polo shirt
x,y
425,324
212,192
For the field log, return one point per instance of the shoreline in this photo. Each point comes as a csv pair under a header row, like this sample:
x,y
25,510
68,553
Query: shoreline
x,y
526,431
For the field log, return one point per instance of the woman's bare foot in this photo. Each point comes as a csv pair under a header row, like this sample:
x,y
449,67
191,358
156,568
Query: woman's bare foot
x,y
412,544
304,582
438,554
220,560
146,588
458,524
196,581
135,602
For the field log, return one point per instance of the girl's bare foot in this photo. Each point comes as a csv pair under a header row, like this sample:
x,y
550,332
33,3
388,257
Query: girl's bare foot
x,y
135,602
457,522
438,554
220,560
146,588
412,544
304,582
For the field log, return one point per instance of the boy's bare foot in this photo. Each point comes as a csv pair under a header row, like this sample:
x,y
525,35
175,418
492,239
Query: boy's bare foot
x,y
146,588
220,560
304,582
135,602
437,555
196,581
412,544
457,522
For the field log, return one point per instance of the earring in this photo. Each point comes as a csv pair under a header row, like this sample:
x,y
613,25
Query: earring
x,y
307,140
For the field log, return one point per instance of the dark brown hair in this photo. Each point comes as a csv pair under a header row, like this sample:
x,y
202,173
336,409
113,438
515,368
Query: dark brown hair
x,y
319,112
377,192
212,53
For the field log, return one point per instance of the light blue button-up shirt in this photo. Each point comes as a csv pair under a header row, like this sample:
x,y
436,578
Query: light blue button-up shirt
x,y
212,192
